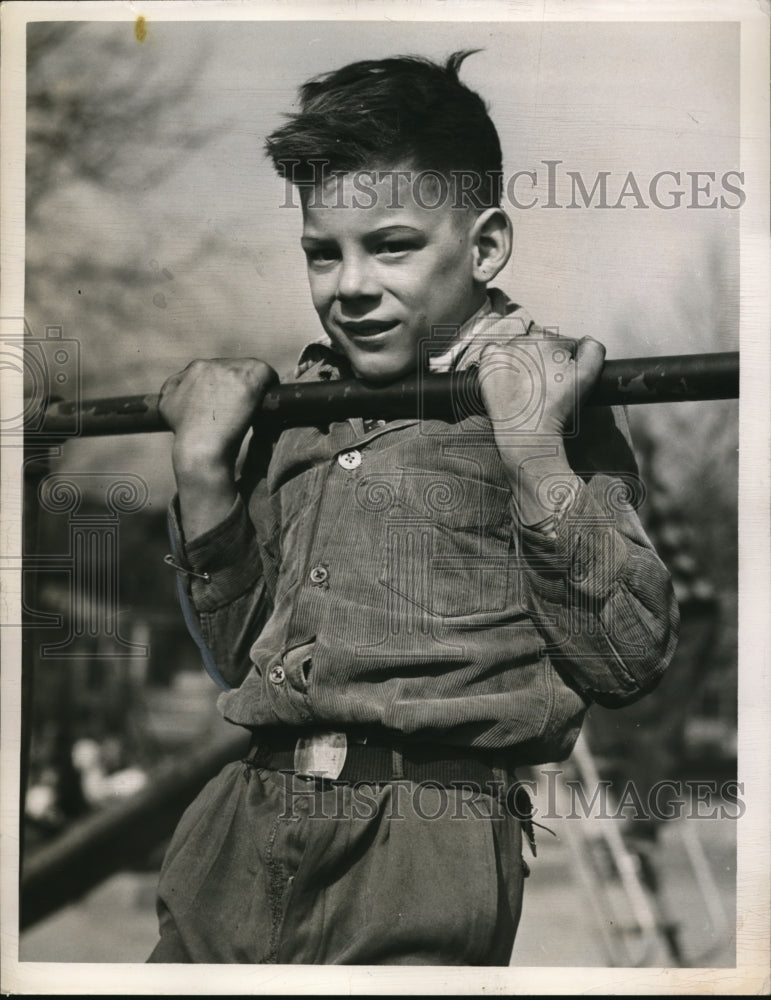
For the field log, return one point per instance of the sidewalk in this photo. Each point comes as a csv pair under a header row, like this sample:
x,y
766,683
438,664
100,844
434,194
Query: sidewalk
x,y
561,921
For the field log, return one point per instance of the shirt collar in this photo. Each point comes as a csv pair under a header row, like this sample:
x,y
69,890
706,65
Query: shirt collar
x,y
445,361
320,352
498,319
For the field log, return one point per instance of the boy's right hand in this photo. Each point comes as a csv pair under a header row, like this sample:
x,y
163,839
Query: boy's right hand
x,y
210,405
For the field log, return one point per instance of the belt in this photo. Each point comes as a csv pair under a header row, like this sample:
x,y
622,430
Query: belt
x,y
376,757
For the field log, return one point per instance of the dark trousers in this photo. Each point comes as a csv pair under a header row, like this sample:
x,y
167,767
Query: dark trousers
x,y
268,867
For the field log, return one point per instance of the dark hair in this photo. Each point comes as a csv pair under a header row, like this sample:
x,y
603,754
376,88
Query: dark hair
x,y
376,114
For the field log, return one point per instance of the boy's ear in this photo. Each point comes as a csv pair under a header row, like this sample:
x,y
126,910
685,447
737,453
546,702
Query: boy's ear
x,y
491,241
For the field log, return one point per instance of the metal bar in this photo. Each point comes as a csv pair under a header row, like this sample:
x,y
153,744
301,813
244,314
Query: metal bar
x,y
672,379
110,840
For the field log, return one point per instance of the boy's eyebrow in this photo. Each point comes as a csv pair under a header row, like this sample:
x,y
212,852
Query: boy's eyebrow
x,y
396,229
314,241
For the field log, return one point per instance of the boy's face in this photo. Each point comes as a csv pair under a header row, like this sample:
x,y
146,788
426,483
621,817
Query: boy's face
x,y
385,271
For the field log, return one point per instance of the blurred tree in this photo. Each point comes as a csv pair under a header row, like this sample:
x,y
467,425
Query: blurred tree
x,y
109,121
83,113
688,457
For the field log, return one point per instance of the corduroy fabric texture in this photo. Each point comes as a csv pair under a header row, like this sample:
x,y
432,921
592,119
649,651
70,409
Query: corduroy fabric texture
x,y
381,577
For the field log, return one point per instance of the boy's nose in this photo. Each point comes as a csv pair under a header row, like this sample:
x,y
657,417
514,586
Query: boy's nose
x,y
356,280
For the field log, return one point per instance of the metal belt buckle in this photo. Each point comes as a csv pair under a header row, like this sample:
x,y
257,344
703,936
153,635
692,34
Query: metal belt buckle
x,y
321,754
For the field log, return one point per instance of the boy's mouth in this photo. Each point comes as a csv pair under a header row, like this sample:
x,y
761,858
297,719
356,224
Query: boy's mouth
x,y
366,329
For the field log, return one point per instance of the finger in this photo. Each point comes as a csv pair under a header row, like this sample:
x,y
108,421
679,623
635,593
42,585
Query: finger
x,y
589,348
562,350
170,383
499,362
589,359
266,375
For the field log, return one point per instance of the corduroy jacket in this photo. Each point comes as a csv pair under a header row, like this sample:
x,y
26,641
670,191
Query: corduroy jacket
x,y
376,574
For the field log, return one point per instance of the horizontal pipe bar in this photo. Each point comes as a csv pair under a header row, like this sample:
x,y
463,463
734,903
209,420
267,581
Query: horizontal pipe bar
x,y
628,381
117,836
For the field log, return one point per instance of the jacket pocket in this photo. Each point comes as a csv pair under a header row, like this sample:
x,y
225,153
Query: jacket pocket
x,y
446,543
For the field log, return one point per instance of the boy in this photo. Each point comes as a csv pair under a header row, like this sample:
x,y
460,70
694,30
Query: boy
x,y
402,612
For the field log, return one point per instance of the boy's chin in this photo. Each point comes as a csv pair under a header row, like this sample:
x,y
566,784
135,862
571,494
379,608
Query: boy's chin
x,y
381,372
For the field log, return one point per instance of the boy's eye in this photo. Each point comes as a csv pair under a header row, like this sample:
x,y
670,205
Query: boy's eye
x,y
394,247
321,254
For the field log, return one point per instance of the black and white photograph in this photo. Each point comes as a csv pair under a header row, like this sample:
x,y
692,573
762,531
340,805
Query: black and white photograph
x,y
385,494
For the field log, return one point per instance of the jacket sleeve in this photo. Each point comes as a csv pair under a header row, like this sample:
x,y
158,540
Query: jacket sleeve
x,y
601,597
224,587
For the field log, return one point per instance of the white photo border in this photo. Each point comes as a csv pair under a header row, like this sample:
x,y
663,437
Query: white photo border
x,y
754,764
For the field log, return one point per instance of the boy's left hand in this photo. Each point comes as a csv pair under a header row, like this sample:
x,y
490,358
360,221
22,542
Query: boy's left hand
x,y
533,389
536,386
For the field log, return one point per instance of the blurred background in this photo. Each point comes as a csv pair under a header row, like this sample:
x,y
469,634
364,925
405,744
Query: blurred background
x,y
157,233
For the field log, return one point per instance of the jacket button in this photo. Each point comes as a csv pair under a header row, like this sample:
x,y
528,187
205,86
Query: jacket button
x,y
349,459
277,675
319,574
